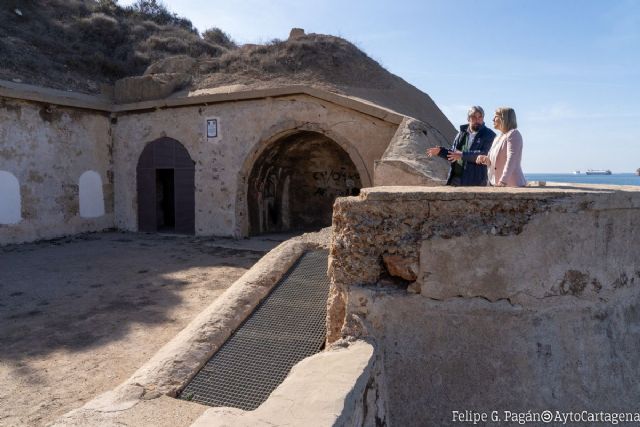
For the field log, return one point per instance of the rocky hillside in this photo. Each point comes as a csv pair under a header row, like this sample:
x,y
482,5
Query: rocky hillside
x,y
78,44
81,44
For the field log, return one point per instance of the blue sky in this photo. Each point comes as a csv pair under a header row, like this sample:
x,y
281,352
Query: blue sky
x,y
570,68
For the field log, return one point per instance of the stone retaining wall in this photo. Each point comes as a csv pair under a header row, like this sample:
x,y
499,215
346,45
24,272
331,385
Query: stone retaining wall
x,y
492,299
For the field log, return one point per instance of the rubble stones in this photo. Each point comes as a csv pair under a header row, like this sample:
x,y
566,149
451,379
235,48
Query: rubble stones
x,y
172,64
151,86
406,268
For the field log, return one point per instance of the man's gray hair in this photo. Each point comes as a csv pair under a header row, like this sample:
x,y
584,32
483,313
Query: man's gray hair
x,y
475,109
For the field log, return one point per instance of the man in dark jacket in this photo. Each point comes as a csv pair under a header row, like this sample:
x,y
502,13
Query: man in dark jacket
x,y
473,140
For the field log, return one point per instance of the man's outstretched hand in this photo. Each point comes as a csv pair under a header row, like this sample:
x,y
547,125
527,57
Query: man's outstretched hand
x,y
434,151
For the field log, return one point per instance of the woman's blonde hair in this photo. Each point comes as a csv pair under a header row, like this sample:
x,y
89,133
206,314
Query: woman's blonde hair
x,y
507,116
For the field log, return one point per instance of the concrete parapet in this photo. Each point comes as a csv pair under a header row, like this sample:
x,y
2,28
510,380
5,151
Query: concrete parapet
x,y
523,299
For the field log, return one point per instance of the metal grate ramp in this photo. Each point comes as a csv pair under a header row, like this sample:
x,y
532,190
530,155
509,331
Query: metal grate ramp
x,y
286,327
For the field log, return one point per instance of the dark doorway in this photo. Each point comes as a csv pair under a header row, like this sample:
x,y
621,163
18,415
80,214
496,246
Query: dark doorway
x,y
166,188
295,181
165,206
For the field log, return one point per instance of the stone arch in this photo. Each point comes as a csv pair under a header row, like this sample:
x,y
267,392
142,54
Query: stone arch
x,y
11,206
91,197
166,188
279,184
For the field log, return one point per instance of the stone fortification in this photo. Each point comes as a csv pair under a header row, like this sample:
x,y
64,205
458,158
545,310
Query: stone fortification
x,y
56,171
70,163
492,299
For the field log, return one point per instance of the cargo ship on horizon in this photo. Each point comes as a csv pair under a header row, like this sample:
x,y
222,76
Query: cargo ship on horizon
x,y
598,172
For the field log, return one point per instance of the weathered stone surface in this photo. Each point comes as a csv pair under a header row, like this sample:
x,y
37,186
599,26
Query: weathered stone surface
x,y
560,253
172,64
406,268
405,161
397,172
224,165
150,86
441,356
336,312
526,299
414,288
47,148
161,412
400,220
296,33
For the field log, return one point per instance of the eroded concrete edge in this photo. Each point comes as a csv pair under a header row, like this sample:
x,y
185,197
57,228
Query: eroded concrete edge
x,y
331,388
102,103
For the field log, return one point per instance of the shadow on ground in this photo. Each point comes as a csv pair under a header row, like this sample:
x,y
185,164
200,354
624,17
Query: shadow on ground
x,y
84,291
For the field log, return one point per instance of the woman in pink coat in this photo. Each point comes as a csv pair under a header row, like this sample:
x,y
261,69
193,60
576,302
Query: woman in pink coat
x,y
503,160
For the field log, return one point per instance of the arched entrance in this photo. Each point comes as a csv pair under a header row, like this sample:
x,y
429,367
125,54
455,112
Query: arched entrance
x,y
166,189
295,181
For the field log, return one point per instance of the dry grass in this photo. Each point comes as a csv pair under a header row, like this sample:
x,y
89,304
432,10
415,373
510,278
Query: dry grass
x,y
311,58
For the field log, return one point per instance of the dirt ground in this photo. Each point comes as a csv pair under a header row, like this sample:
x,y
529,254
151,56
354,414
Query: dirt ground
x,y
79,315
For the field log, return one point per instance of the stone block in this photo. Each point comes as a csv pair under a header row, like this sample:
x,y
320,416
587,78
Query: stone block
x,y
147,87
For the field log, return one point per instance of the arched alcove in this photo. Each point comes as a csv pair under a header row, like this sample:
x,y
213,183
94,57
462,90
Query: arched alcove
x,y
166,188
294,182
10,205
91,195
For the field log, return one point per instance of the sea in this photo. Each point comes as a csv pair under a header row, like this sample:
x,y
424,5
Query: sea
x,y
582,178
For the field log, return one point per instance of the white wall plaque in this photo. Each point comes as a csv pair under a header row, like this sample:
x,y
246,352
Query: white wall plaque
x,y
212,128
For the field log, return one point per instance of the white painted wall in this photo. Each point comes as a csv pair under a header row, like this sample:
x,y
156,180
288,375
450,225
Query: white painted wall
x,y
91,196
10,207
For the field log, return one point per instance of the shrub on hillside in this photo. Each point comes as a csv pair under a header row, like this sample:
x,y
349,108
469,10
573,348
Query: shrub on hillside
x,y
156,11
101,29
218,37
173,45
144,29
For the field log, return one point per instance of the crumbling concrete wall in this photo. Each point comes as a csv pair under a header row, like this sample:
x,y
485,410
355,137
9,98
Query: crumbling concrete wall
x,y
493,299
224,163
405,160
47,148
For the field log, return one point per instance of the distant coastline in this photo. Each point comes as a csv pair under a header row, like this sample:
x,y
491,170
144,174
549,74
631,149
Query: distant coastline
x,y
613,179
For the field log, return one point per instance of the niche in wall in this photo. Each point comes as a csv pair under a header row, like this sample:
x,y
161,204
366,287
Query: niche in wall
x,y
10,202
91,196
